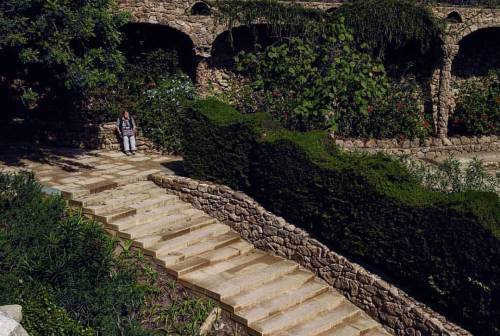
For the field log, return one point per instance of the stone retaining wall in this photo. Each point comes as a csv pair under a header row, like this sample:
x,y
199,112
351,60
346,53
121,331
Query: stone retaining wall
x,y
428,148
397,311
89,136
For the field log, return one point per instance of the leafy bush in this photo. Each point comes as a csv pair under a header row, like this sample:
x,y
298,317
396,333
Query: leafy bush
x,y
160,107
478,107
444,247
397,114
309,85
41,315
59,49
68,258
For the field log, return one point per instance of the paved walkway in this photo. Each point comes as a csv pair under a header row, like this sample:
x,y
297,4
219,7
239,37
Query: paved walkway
x,y
269,294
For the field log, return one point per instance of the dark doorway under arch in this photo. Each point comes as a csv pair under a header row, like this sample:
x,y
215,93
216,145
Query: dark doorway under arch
x,y
140,38
479,53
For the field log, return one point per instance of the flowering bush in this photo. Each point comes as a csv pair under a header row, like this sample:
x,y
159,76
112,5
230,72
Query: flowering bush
x,y
478,107
159,110
397,114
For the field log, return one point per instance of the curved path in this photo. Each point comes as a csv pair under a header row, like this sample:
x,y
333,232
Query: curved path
x,y
269,294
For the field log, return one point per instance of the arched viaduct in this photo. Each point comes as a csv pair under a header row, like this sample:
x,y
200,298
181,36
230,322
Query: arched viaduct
x,y
195,20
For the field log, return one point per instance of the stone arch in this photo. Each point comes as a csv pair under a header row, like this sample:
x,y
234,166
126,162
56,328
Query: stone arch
x,y
146,37
201,8
454,17
478,53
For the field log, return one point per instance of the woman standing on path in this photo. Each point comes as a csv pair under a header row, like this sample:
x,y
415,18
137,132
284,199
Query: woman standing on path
x,y
125,126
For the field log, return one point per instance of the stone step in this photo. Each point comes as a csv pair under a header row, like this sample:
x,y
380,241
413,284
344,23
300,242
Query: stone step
x,y
292,317
344,330
226,252
165,247
230,265
237,284
148,216
310,289
115,214
206,284
363,323
171,231
338,316
126,199
154,202
208,244
163,233
95,199
377,331
152,227
275,288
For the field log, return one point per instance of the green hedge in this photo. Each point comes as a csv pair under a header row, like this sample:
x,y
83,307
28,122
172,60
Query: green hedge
x,y
444,248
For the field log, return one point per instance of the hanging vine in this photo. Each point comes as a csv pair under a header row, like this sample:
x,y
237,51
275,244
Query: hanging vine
x,y
383,23
376,24
284,19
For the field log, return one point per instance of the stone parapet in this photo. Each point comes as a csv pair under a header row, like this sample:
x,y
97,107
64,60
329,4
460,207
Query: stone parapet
x,y
396,310
428,148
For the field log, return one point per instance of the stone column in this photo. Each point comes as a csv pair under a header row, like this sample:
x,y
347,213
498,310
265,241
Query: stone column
x,y
445,96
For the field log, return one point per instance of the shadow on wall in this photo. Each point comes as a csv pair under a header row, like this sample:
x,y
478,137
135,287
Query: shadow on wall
x,y
145,37
244,38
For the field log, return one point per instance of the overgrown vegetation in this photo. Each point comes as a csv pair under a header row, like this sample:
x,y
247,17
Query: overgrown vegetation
x,y
444,247
65,271
53,54
451,177
477,109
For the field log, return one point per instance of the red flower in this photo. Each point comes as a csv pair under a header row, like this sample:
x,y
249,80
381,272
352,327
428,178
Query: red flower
x,y
400,106
370,109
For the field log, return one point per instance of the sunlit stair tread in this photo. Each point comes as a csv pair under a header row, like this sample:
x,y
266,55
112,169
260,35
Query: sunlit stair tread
x,y
240,283
283,302
377,331
363,322
275,288
204,245
344,330
233,264
289,318
146,217
167,232
195,262
128,199
152,227
335,317
167,246
94,199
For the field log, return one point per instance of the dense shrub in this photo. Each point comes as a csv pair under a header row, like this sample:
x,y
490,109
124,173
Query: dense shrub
x,y
160,107
478,107
309,85
59,51
65,258
445,248
397,114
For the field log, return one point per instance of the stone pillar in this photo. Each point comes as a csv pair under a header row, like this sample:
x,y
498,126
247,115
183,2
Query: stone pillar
x,y
445,96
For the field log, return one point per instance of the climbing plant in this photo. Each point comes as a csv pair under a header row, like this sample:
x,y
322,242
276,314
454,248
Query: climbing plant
x,y
285,20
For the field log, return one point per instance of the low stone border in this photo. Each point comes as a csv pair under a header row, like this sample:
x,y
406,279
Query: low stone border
x,y
91,136
397,311
428,148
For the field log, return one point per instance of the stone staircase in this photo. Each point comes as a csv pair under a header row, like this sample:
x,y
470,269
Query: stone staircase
x,y
269,294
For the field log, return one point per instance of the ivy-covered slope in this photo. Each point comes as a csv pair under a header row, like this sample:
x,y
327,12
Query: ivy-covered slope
x,y
445,248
